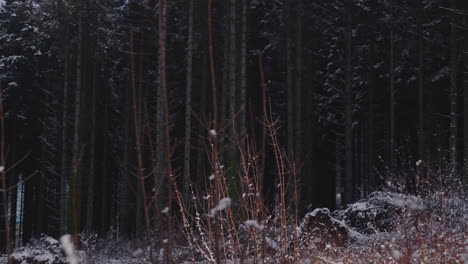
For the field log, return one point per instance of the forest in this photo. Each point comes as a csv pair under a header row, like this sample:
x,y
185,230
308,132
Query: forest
x,y
225,127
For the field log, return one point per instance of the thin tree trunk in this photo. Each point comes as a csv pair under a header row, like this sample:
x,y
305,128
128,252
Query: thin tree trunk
x,y
348,109
138,71
392,100
420,93
92,157
125,206
160,125
231,155
264,127
3,175
75,190
162,18
465,86
105,182
371,175
362,160
289,81
453,90
203,108
188,103
140,169
243,75
298,125
212,67
64,154
225,113
232,64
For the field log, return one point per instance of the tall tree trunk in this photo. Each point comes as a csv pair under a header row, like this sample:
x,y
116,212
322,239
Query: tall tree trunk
x,y
4,194
298,114
232,64
465,86
371,176
225,113
188,103
212,67
162,18
203,108
64,150
160,125
243,74
348,108
140,93
75,184
92,157
420,92
289,79
137,107
392,149
105,179
125,204
453,90
231,157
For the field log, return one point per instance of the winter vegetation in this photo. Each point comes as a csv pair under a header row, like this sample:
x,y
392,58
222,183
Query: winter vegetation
x,y
234,131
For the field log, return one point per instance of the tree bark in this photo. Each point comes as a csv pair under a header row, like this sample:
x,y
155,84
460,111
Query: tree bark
x,y
348,108
392,149
243,75
420,92
75,184
371,176
453,90
225,113
289,79
298,125
188,103
465,87
64,150
232,64
92,157
160,125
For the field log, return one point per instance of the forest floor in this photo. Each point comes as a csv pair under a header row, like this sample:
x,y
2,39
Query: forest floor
x,y
383,228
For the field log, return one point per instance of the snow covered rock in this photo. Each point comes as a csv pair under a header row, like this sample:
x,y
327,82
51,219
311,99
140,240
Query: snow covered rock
x,y
320,229
379,212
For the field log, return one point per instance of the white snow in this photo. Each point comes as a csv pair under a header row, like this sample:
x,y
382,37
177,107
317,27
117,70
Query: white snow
x,y
69,249
396,254
137,252
165,210
411,202
212,133
223,204
254,224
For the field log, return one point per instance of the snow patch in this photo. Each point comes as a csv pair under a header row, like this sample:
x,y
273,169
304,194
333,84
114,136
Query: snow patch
x,y
212,133
69,249
254,224
223,204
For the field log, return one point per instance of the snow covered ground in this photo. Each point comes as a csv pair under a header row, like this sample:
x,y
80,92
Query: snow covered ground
x,y
384,228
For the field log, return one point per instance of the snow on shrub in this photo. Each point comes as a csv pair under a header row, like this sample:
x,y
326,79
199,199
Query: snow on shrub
x,y
45,250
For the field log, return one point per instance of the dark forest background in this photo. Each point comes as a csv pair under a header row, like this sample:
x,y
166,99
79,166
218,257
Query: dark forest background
x,y
366,94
